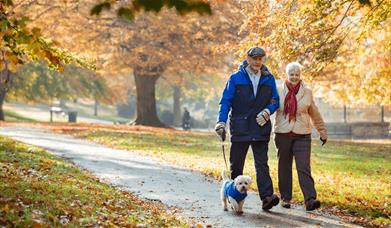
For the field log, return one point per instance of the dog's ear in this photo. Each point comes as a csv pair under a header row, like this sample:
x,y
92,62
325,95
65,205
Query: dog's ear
x,y
249,180
236,180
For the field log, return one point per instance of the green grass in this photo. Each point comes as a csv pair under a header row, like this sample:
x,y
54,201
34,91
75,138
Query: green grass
x,y
106,117
41,190
14,110
354,177
13,116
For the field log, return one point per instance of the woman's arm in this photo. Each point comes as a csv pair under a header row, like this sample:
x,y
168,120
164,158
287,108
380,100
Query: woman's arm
x,y
317,119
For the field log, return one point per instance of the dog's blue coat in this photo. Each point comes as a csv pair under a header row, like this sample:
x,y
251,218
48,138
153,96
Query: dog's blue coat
x,y
230,190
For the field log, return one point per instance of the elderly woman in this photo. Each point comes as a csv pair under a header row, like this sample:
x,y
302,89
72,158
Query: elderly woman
x,y
293,137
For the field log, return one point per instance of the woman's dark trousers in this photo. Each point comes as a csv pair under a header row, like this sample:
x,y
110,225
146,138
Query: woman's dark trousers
x,y
299,147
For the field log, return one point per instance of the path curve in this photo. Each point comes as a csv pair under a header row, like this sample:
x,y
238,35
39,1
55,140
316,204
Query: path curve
x,y
149,178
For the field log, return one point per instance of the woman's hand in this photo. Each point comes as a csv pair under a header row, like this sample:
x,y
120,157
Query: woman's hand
x,y
323,141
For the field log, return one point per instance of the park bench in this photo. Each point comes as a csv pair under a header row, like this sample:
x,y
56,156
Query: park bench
x,y
56,110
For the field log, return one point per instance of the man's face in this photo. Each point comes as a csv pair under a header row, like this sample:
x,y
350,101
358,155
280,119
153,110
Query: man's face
x,y
255,63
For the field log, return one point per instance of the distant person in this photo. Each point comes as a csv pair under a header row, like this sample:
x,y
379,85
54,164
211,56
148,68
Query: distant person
x,y
186,120
251,96
293,137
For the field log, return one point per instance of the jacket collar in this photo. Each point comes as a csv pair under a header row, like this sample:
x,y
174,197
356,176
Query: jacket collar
x,y
265,74
264,70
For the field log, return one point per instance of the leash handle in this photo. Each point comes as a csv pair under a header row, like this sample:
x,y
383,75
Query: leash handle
x,y
225,160
223,135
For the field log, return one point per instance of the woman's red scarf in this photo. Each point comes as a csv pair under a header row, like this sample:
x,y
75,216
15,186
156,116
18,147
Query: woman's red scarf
x,y
290,103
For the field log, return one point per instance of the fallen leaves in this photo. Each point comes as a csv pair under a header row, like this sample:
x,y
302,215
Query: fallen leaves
x,y
41,190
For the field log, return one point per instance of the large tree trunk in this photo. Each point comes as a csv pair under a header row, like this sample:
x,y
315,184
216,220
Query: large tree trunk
x,y
146,102
177,106
5,78
3,92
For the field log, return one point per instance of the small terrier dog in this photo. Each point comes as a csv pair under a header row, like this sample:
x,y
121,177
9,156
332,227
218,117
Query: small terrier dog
x,y
233,192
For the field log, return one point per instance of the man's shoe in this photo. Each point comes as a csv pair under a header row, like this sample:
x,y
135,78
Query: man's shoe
x,y
286,204
312,204
270,202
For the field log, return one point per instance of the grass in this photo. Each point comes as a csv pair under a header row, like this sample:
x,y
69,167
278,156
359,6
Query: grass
x,y
38,189
354,177
16,111
13,116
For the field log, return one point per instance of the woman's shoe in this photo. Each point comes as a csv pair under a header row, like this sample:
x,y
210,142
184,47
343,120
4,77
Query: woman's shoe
x,y
286,204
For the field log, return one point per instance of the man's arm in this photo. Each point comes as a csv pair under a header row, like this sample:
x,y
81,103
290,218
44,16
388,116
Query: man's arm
x,y
226,100
275,101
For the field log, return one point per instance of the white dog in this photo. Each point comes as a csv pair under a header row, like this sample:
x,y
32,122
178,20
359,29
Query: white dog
x,y
234,192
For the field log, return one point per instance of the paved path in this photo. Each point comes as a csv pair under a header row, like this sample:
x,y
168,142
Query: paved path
x,y
149,178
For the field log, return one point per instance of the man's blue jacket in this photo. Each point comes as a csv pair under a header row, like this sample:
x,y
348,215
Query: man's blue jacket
x,y
238,97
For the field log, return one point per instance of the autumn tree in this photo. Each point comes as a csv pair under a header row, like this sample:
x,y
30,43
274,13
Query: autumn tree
x,y
361,74
150,46
332,39
184,87
20,44
35,82
128,9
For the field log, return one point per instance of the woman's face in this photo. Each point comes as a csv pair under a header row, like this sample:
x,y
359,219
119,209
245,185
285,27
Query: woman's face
x,y
294,77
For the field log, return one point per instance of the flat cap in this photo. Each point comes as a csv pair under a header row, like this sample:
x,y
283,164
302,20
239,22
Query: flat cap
x,y
256,51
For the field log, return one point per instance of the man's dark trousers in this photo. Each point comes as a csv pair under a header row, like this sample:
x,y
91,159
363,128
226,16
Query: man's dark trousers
x,y
237,158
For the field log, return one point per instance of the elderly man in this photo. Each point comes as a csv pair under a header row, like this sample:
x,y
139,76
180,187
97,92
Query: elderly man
x,y
251,96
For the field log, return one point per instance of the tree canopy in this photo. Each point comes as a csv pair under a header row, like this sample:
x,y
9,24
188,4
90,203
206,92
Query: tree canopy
x,y
128,9
341,44
150,46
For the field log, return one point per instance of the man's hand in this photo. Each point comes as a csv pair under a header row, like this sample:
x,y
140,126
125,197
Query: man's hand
x,y
263,117
220,130
323,141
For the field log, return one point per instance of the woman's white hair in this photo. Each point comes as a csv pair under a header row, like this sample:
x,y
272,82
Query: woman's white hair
x,y
293,66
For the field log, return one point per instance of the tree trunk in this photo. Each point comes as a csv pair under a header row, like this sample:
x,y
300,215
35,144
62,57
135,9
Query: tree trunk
x,y
177,106
63,103
96,104
5,78
146,102
344,114
3,92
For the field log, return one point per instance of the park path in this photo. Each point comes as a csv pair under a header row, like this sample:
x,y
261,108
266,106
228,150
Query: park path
x,y
196,195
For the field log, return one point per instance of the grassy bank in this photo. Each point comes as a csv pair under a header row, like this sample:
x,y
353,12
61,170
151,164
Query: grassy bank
x,y
354,177
41,190
13,116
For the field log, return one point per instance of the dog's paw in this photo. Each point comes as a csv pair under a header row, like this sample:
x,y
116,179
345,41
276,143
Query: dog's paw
x,y
225,209
239,212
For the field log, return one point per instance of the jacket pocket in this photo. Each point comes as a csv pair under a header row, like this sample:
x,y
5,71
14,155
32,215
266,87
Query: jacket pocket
x,y
239,125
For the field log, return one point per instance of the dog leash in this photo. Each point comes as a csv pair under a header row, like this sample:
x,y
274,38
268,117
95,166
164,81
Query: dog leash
x,y
223,148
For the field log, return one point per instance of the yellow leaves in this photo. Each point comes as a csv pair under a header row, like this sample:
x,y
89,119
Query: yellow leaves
x,y
199,225
38,224
5,208
65,195
198,35
46,164
312,32
36,32
12,66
